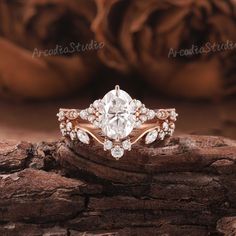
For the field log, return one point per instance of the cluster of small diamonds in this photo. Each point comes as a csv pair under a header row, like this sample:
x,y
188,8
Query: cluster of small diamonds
x,y
117,149
93,113
68,129
142,113
166,128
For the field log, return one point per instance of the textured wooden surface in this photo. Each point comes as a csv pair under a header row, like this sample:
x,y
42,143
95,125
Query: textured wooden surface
x,y
181,188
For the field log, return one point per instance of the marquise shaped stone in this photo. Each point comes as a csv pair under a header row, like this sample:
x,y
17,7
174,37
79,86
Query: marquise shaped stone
x,y
83,136
151,136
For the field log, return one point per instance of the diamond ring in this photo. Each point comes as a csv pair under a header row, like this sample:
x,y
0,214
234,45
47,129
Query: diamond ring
x,y
117,122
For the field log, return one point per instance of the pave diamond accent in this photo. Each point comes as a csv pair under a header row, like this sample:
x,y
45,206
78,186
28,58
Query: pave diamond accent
x,y
62,126
63,132
107,145
173,115
73,135
165,126
151,114
143,118
61,116
117,152
135,104
69,126
161,135
127,145
83,114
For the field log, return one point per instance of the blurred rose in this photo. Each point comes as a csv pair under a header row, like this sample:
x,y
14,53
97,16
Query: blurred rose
x,y
150,37
35,25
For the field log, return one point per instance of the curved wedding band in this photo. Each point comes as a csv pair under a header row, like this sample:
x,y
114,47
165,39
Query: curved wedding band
x,y
117,122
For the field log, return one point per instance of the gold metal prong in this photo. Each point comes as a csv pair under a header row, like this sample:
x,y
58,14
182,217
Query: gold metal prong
x,y
117,88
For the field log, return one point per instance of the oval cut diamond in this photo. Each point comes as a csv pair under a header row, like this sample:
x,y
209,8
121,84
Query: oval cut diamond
x,y
117,115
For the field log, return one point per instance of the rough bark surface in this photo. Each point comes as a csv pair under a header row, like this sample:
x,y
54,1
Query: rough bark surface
x,y
186,186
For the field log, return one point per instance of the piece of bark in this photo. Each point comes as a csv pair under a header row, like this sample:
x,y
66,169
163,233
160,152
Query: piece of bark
x,y
182,187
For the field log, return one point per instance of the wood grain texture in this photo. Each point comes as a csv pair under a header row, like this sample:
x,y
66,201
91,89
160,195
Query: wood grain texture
x,y
186,186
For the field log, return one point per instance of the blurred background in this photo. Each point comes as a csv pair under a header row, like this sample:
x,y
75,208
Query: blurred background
x,y
167,53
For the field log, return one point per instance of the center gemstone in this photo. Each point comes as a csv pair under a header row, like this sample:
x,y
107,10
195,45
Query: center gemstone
x,y
117,115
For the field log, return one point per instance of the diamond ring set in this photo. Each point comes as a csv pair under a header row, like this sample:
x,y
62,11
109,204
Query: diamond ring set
x,y
117,122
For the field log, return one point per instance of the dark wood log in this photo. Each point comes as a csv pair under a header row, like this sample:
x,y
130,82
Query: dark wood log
x,y
186,186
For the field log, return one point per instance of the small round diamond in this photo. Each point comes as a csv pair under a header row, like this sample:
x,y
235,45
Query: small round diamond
x,y
117,152
62,125
73,135
91,118
170,132
151,114
143,110
96,103
173,115
107,145
165,126
83,114
63,132
138,124
126,144
161,135
172,125
61,115
143,118
138,103
69,126
91,110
